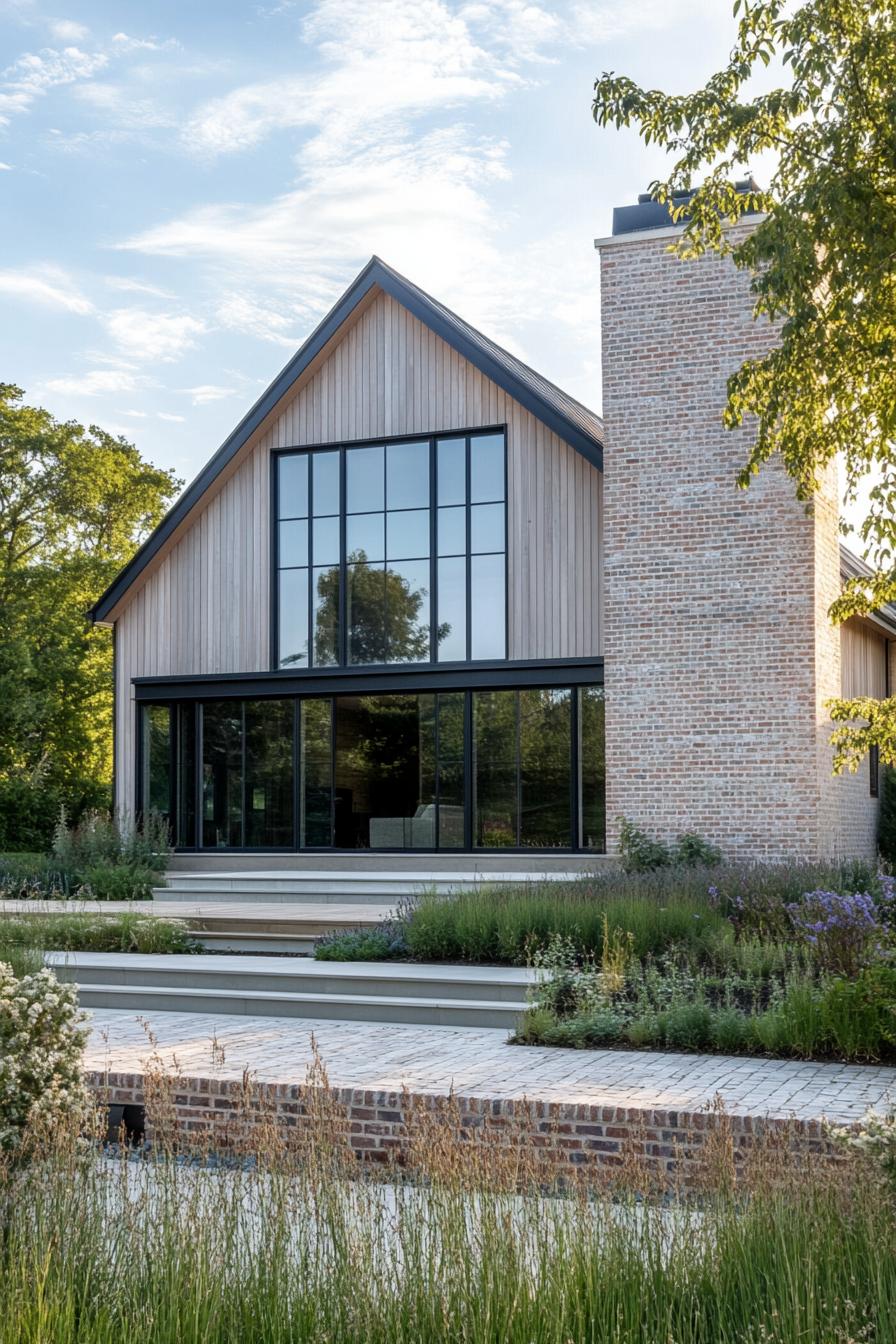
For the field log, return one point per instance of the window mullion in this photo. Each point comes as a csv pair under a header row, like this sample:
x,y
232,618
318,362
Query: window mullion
x,y
342,638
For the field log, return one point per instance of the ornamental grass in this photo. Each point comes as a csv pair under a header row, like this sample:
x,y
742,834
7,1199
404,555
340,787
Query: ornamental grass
x,y
281,1236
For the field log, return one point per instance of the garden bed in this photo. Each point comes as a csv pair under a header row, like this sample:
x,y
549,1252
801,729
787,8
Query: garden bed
x,y
787,961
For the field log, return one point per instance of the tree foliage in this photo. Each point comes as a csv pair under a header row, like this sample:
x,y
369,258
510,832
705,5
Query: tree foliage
x,y
74,504
822,259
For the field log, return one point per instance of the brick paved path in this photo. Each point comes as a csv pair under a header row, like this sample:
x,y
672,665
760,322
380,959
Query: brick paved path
x,y
478,1063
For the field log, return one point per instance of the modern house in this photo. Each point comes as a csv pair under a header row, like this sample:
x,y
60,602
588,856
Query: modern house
x,y
423,600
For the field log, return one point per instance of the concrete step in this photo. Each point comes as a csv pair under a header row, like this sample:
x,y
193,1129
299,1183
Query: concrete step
x,y
235,940
251,926
544,862
343,1008
377,887
279,986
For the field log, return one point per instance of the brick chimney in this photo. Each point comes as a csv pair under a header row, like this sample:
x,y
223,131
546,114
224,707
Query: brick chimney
x,y
718,651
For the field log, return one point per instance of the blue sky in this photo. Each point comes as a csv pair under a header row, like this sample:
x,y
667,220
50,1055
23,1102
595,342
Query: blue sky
x,y
185,188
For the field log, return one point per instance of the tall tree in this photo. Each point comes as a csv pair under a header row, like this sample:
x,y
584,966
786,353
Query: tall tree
x,y
822,260
74,504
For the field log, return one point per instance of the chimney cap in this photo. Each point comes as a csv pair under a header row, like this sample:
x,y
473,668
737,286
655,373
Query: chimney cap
x,y
650,213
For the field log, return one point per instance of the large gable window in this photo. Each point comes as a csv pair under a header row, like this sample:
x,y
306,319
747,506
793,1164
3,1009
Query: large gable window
x,y
392,552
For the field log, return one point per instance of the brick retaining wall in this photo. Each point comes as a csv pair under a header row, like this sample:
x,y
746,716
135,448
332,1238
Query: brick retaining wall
x,y
221,1115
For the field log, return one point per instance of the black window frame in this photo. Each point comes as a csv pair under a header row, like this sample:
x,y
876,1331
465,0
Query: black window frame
x,y
342,447
573,675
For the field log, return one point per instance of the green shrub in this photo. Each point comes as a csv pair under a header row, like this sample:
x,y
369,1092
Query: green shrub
x,y
30,807
27,877
729,1031
860,1014
74,932
100,840
507,926
119,882
692,851
383,943
688,1026
638,852
42,1037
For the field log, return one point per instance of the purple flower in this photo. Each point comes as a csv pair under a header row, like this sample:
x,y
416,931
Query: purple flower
x,y
842,928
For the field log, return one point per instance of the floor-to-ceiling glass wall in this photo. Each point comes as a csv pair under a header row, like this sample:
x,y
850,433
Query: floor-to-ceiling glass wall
x,y
468,769
522,769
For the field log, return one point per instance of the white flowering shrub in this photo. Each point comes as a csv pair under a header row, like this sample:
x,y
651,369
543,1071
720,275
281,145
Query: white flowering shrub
x,y
875,1137
42,1038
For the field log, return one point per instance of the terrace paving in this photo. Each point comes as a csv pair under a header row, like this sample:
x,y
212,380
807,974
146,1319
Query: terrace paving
x,y
479,1063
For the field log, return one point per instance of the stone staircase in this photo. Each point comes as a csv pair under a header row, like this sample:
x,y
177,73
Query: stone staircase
x,y
400,992
382,887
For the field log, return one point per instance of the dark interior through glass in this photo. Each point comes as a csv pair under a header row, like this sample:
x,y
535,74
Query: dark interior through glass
x,y
392,771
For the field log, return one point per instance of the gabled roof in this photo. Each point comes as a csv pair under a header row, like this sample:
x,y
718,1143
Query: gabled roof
x,y
853,567
568,418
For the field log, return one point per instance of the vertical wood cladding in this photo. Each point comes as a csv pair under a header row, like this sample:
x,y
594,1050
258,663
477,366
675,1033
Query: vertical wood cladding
x,y
204,606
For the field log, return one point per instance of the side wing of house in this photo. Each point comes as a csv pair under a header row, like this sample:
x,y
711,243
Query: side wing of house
x,y
867,663
203,606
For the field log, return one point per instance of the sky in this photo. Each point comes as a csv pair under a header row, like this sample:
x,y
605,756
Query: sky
x,y
186,188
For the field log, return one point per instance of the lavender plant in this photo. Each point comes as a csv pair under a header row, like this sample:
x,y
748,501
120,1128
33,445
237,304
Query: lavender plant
x,y
845,931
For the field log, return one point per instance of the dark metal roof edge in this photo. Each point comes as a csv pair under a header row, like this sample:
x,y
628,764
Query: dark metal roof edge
x,y
430,311
427,310
307,352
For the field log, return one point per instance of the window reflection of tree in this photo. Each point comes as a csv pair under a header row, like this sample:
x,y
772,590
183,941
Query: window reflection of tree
x,y
388,618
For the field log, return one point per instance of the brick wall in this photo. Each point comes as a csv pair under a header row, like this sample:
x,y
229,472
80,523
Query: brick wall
x,y
655,1146
718,653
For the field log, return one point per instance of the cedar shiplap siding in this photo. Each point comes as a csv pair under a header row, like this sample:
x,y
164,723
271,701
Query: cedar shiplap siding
x,y
863,661
204,606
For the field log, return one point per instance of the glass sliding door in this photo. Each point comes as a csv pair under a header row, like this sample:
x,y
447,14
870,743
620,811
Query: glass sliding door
x,y
185,829
247,774
451,771
222,775
384,772
412,770
522,762
592,770
546,794
495,775
316,774
156,784
269,775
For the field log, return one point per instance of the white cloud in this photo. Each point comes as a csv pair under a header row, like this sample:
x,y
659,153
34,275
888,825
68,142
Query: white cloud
x,y
385,163
67,30
47,285
148,336
607,20
96,383
207,392
35,73
167,415
410,198
122,109
138,415
381,62
5,167
123,43
128,285
238,312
